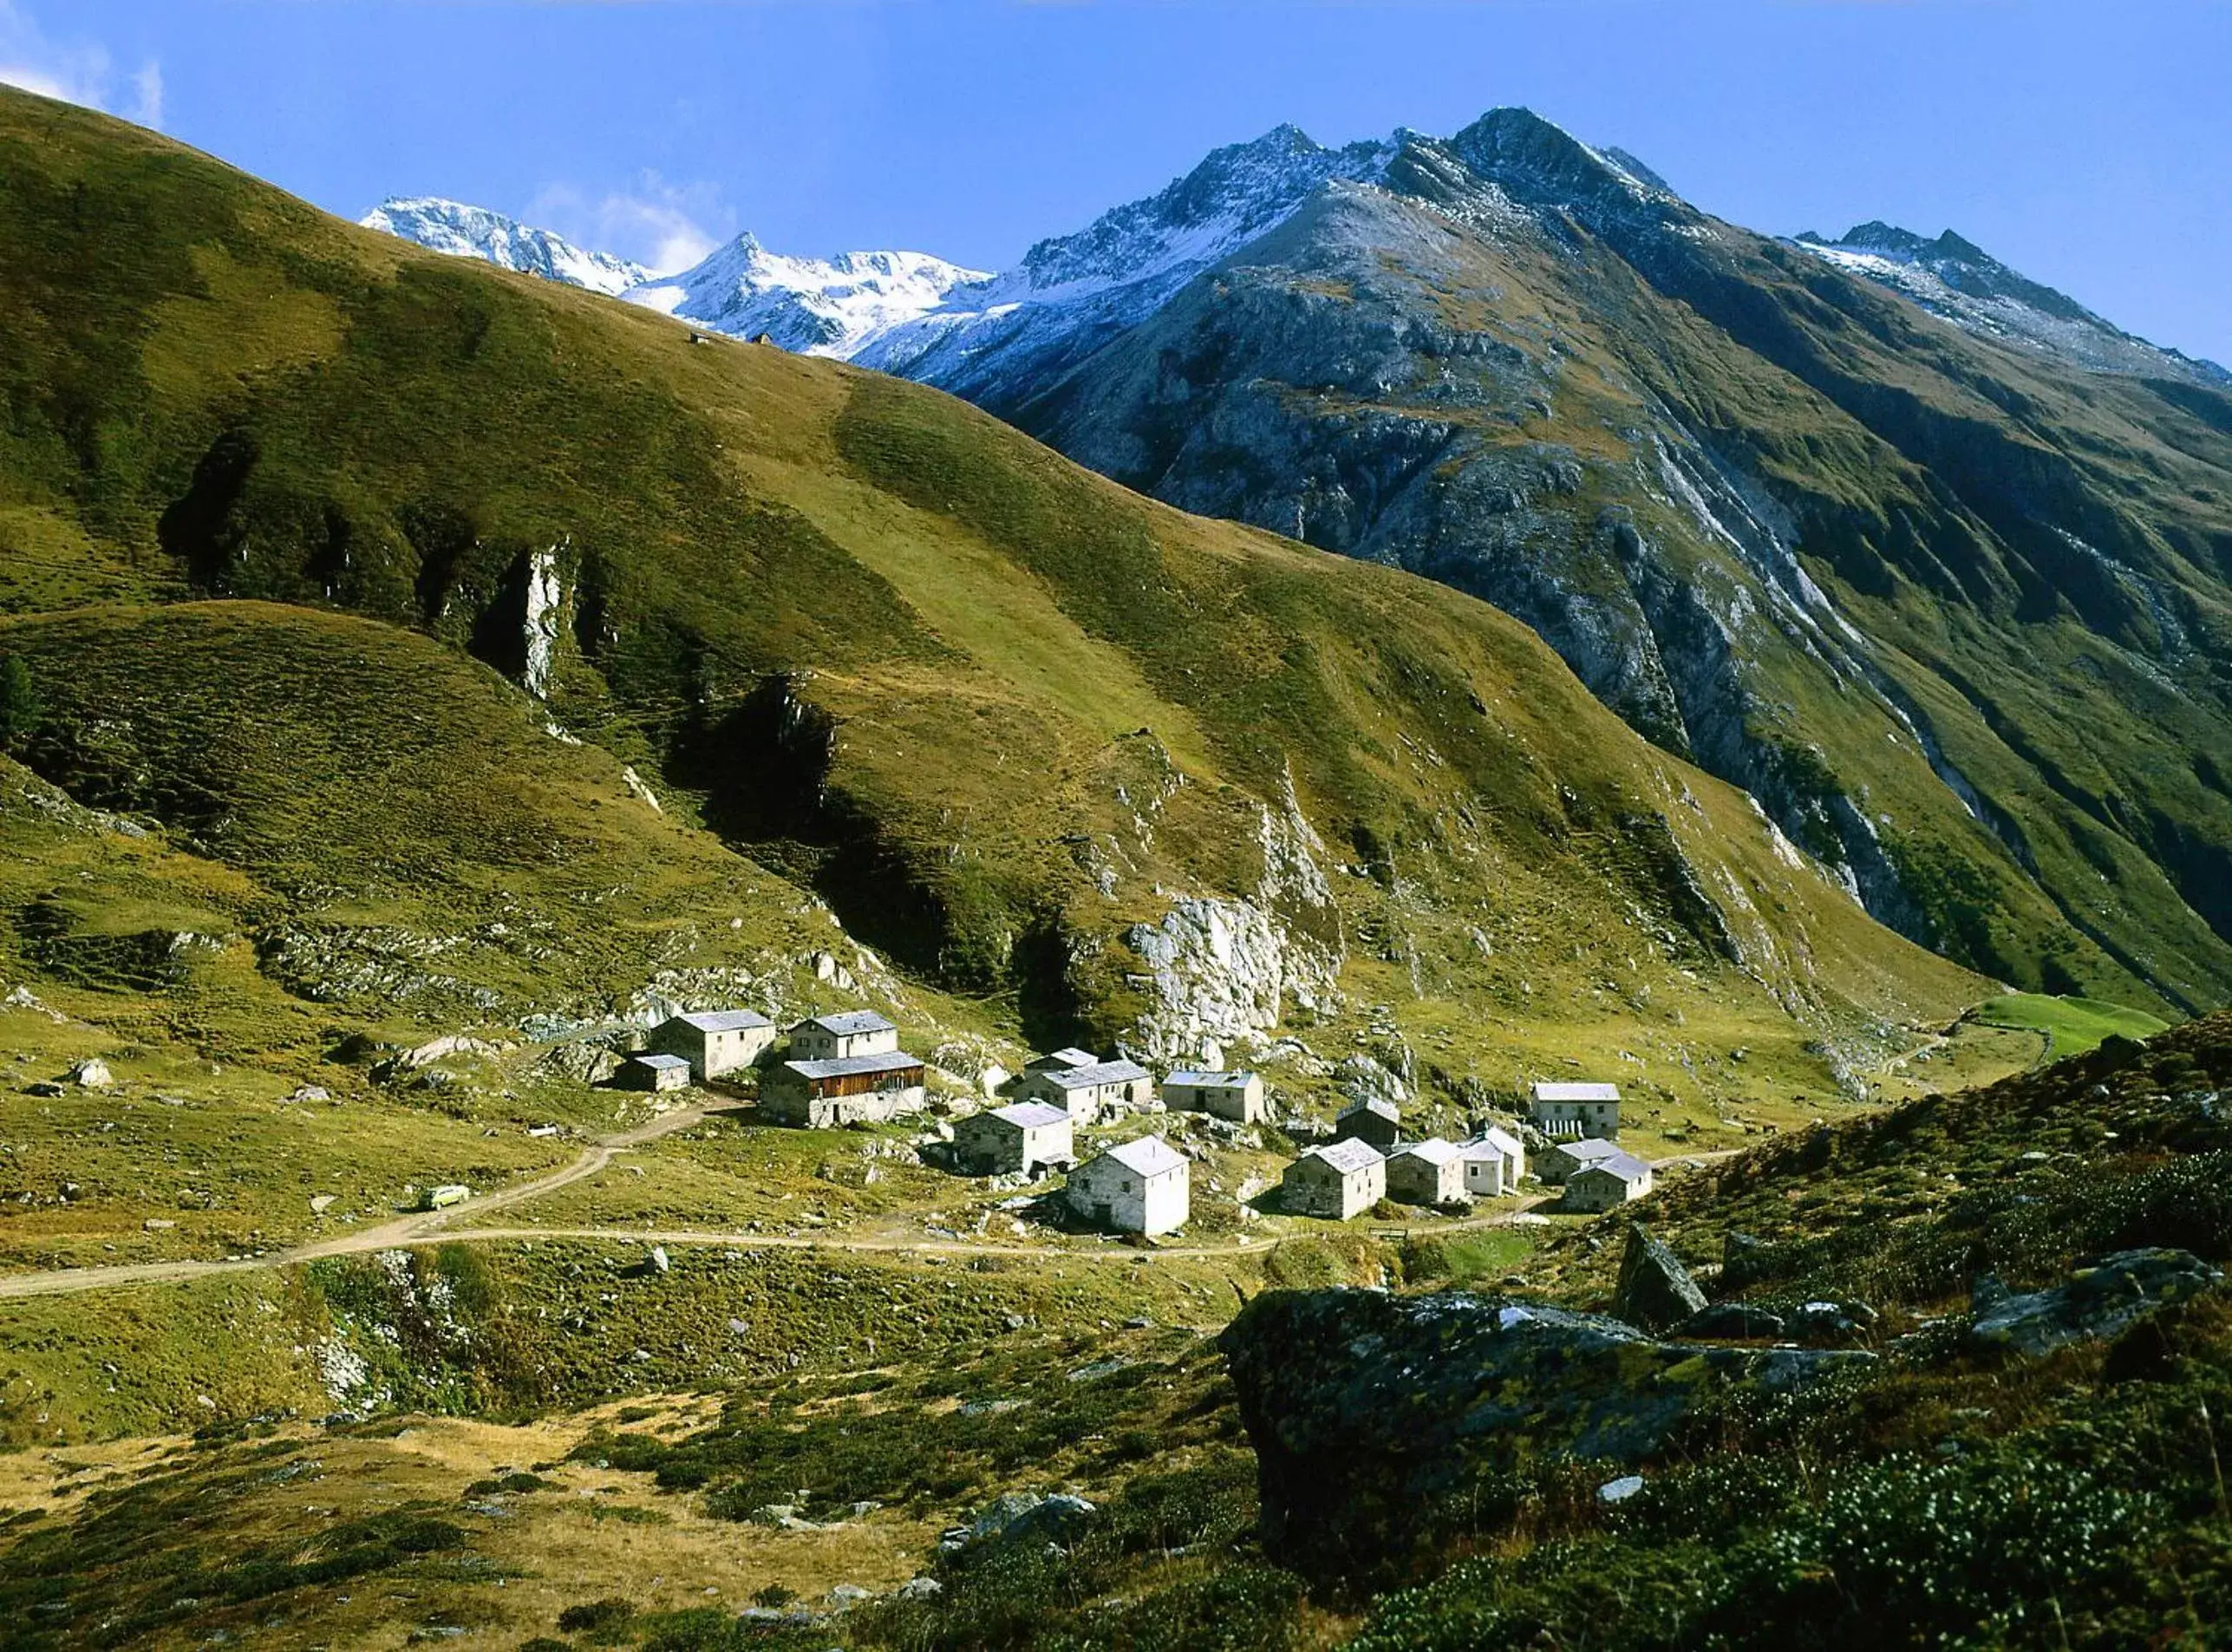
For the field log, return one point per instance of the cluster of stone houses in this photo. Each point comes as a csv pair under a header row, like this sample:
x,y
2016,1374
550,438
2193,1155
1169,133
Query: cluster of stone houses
x,y
842,1068
1143,1186
847,1068
1351,1173
1582,1122
1368,1160
690,1048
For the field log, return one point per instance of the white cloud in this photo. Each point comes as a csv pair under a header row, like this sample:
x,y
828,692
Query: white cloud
x,y
76,71
666,227
148,94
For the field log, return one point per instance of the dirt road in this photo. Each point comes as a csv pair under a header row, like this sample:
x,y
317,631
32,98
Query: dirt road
x,y
430,1227
419,1227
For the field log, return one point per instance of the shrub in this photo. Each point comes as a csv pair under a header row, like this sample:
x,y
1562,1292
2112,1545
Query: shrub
x,y
21,711
1965,1551
597,1616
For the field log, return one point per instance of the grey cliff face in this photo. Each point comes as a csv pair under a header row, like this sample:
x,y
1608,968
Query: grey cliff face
x,y
1695,460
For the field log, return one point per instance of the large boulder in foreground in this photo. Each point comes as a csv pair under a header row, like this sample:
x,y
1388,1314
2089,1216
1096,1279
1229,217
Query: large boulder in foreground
x,y
1366,1408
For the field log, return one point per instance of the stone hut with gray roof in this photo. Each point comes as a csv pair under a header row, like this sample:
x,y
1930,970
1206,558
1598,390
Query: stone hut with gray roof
x,y
1089,1093
1336,1181
1426,1172
1143,1186
1562,1110
1608,1183
714,1041
842,1090
1380,1123
847,1033
1237,1096
1027,1137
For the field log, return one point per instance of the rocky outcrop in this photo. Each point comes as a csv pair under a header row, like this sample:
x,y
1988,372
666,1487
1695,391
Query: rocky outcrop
x,y
2101,1301
1220,972
1027,1517
538,628
1225,970
1366,1409
1654,1292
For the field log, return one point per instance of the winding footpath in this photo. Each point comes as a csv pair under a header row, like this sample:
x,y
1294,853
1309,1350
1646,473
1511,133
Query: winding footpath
x,y
430,1227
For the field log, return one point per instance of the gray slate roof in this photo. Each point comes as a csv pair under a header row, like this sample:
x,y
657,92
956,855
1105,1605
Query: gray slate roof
x,y
1496,1144
1588,1149
1433,1150
1626,1166
1345,1156
850,1020
841,1066
722,1020
657,1059
1560,1091
1148,1156
1385,1109
1071,1056
1200,1079
1030,1115
1088,1078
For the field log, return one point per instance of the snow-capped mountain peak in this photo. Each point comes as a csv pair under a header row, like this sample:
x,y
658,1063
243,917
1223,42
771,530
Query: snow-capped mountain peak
x,y
1072,293
466,231
1234,195
821,307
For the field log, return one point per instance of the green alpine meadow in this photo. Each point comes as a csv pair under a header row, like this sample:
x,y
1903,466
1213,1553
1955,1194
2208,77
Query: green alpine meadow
x,y
1410,902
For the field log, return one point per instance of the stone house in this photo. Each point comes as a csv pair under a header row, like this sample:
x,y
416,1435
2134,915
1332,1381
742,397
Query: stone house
x,y
1088,1094
842,1089
1494,1164
1338,1180
1426,1172
714,1041
1237,1096
656,1070
851,1032
1059,1061
1378,1123
1144,1186
1563,1110
1606,1183
1558,1162
1028,1137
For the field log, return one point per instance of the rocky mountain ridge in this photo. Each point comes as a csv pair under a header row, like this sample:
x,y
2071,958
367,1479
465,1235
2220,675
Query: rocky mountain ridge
x,y
1775,517
1955,279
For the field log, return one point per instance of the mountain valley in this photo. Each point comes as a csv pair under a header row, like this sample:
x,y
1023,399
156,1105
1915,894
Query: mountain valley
x,y
1786,506
1420,622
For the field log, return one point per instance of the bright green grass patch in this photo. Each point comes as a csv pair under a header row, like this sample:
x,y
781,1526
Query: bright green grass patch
x,y
1469,1257
2071,1026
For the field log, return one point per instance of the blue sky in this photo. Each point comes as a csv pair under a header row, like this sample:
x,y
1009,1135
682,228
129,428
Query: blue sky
x,y
2087,144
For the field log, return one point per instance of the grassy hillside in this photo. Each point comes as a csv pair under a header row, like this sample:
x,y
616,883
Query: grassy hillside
x,y
1944,1491
997,711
